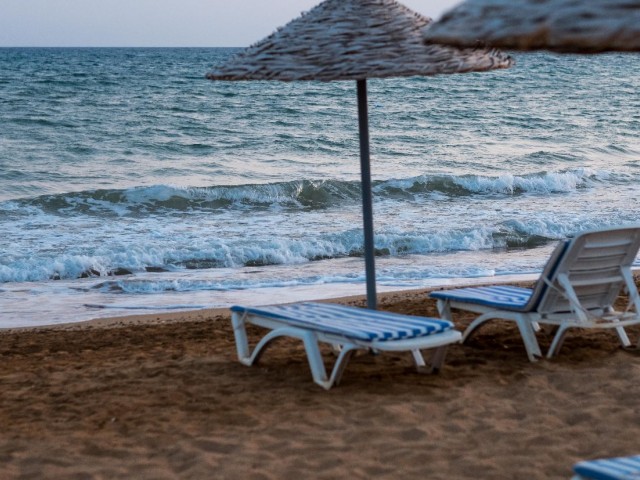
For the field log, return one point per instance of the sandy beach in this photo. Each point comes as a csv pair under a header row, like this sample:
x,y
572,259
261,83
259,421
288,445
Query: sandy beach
x,y
163,397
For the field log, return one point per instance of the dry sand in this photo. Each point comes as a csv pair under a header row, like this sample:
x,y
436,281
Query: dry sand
x,y
163,397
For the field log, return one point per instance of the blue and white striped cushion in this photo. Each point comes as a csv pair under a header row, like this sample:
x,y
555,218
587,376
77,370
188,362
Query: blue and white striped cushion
x,y
506,297
621,468
351,322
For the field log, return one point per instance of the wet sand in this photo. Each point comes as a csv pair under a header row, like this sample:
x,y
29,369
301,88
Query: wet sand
x,y
164,397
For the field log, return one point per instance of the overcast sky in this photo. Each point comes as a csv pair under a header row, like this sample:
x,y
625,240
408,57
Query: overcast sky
x,y
147,23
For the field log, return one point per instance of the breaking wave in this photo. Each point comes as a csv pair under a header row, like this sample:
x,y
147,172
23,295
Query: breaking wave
x,y
306,194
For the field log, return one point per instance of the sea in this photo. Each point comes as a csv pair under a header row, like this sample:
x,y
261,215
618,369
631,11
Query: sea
x,y
129,183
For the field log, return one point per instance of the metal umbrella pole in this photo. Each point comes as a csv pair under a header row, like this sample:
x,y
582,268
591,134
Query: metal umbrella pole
x,y
367,200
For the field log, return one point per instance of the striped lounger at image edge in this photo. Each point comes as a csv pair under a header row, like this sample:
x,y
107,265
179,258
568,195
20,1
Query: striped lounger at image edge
x,y
621,468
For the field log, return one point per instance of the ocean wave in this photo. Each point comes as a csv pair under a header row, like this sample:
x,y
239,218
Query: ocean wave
x,y
120,261
309,194
162,198
507,184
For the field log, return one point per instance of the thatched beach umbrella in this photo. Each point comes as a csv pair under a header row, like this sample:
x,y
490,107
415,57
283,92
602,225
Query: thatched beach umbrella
x,y
579,26
355,40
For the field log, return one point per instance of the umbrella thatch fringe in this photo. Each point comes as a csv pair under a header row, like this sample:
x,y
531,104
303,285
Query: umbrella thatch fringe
x,y
353,40
581,26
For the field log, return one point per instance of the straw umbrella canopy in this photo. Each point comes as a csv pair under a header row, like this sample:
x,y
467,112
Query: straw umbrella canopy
x,y
573,26
355,40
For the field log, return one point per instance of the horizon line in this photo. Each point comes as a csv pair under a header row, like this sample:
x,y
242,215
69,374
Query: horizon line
x,y
118,46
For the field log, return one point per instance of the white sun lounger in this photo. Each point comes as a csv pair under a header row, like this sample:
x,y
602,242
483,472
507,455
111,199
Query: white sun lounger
x,y
621,468
346,329
577,289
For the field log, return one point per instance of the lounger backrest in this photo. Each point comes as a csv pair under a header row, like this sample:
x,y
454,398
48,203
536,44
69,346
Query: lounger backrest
x,y
541,286
594,262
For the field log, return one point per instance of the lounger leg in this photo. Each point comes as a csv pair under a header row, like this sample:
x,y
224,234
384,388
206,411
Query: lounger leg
x,y
525,326
528,334
340,365
622,335
558,339
240,334
316,362
248,357
469,331
562,331
245,355
473,326
418,359
437,358
444,309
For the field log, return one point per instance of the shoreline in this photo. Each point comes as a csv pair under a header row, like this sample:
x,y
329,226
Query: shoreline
x,y
195,315
294,295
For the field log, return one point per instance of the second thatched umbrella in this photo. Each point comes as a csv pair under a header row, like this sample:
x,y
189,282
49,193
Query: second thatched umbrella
x,y
578,26
355,40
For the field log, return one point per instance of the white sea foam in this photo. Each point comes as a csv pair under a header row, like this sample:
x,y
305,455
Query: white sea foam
x,y
175,251
84,299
